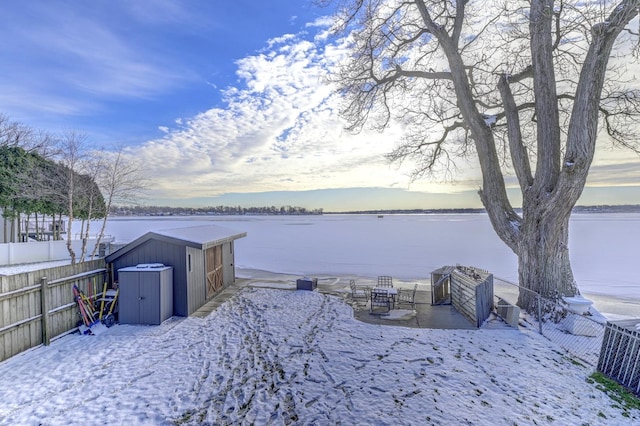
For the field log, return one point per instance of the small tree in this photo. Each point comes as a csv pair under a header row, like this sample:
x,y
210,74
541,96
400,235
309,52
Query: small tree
x,y
121,180
519,83
88,205
72,151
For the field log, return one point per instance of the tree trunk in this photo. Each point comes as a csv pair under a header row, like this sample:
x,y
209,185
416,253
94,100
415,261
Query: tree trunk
x,y
26,228
543,258
58,227
84,234
102,228
13,228
72,253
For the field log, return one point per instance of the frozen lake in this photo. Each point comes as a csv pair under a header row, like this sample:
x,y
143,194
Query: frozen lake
x,y
603,247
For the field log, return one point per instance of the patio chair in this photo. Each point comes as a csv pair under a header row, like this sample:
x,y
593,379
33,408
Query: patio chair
x,y
385,281
358,293
407,297
380,303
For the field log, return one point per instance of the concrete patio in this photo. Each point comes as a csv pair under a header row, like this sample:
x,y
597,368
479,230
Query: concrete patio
x,y
424,316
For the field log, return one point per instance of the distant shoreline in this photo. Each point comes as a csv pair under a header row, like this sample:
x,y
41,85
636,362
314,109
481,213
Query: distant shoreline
x,y
162,211
578,209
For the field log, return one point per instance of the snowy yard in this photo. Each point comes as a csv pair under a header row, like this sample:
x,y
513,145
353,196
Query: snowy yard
x,y
296,357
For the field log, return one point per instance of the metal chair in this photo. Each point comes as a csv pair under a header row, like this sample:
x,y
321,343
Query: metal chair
x,y
385,281
406,297
380,303
358,293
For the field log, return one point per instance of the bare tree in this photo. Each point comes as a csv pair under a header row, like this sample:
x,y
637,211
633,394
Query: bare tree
x,y
88,201
519,84
71,152
15,134
121,180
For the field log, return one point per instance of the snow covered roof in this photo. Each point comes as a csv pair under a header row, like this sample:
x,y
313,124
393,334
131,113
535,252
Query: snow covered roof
x,y
200,237
205,235
444,270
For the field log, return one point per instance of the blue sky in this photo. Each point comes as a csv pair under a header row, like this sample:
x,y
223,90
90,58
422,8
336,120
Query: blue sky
x,y
223,102
118,70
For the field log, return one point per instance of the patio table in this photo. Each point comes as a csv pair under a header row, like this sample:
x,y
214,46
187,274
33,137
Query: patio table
x,y
391,292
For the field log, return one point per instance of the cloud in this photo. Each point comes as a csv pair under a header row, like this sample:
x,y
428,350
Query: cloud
x,y
74,56
278,130
625,173
322,21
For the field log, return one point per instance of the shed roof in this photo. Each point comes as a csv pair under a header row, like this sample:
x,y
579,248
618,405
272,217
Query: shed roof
x,y
200,237
444,270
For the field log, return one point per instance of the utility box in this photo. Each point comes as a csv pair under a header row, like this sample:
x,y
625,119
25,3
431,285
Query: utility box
x,y
146,294
307,284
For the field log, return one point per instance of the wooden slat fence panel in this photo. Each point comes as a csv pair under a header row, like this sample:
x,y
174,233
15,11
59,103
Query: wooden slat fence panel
x,y
472,295
21,319
484,300
463,295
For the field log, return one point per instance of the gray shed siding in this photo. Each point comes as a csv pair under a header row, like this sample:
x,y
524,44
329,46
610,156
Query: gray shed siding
x,y
161,252
196,277
184,250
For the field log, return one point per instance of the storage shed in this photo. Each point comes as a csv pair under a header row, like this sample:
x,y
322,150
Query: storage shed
x,y
468,289
146,294
202,258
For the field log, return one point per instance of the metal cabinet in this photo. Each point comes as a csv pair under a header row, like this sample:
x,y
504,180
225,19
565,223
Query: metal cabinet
x,y
307,284
146,294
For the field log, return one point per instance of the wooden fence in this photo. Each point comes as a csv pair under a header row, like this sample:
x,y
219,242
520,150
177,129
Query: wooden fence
x,y
25,297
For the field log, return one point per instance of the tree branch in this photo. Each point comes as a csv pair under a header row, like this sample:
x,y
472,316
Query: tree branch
x,y
519,155
418,74
581,136
493,193
548,125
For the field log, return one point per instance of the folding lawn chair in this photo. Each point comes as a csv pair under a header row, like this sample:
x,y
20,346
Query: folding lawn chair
x,y
385,281
358,293
407,297
380,303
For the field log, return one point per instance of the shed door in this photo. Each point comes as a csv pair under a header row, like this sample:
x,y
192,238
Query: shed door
x,y
213,256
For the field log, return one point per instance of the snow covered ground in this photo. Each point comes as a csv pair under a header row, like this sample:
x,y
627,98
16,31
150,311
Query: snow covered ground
x,y
272,356
277,357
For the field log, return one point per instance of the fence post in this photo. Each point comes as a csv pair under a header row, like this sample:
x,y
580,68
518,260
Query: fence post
x,y
44,301
539,314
